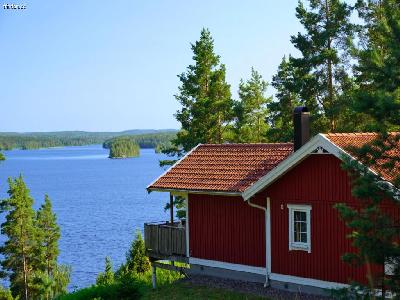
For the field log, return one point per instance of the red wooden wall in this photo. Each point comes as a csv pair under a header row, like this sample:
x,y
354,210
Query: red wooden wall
x,y
318,181
226,229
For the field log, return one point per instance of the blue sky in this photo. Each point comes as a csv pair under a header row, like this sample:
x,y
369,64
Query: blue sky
x,y
112,65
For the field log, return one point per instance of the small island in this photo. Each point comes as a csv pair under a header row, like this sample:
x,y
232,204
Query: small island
x,y
123,148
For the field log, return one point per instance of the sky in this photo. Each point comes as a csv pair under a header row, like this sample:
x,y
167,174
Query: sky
x,y
112,65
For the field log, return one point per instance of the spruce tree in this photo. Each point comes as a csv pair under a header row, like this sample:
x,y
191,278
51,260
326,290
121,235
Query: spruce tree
x,y
322,69
205,98
20,248
251,110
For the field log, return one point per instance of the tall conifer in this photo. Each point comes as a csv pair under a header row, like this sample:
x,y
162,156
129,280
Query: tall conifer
x,y
286,99
323,66
19,227
375,232
205,97
48,234
251,110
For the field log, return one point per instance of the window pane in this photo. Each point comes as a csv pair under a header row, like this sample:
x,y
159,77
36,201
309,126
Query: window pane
x,y
300,216
300,227
304,237
303,227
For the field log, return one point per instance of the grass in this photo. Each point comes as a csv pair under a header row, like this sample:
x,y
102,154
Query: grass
x,y
185,290
170,286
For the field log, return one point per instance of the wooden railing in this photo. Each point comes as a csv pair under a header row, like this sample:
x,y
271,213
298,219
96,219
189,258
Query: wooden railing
x,y
163,240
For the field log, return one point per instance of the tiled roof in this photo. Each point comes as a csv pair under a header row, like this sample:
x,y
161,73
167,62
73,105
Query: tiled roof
x,y
223,168
348,140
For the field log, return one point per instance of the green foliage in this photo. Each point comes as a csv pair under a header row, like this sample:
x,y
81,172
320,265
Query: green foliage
x,y
19,227
377,72
149,140
137,261
180,205
31,249
107,277
322,72
251,110
48,234
287,98
145,138
5,294
2,157
205,97
126,289
123,148
374,232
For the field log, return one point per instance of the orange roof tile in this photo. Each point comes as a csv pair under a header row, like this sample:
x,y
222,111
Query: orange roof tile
x,y
348,140
223,168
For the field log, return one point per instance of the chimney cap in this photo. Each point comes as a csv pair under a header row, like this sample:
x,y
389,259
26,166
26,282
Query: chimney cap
x,y
300,109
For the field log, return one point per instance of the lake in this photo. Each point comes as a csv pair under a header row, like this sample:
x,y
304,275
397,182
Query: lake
x,y
99,202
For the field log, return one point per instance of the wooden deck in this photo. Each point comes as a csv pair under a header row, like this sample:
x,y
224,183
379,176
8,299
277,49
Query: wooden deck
x,y
165,241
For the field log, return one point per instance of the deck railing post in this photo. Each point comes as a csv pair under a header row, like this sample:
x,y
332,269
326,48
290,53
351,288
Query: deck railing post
x,y
171,208
154,275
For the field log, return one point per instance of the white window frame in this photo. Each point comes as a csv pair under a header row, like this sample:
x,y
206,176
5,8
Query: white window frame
x,y
298,245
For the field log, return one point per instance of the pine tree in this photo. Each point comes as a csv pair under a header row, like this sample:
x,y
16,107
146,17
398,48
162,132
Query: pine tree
x,y
205,97
375,233
325,53
378,71
107,277
251,110
287,98
48,234
19,227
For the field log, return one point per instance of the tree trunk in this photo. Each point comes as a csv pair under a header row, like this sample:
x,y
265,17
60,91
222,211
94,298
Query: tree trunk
x,y
25,275
330,75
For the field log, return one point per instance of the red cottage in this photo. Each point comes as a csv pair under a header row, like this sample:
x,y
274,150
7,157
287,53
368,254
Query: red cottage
x,y
263,212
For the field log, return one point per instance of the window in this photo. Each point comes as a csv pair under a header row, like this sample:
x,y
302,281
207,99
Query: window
x,y
299,227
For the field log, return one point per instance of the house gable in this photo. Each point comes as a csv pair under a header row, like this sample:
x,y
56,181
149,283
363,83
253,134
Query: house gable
x,y
319,144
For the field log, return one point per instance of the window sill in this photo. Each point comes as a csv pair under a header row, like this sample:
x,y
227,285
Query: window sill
x,y
295,247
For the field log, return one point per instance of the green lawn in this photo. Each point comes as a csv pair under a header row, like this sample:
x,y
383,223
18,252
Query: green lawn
x,y
184,290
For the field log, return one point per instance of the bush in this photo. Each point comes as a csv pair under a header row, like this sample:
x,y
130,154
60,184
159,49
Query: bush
x,y
126,289
5,294
137,261
107,277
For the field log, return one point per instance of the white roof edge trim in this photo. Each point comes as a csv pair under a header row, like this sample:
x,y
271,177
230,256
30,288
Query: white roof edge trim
x,y
173,166
295,158
341,152
204,192
283,166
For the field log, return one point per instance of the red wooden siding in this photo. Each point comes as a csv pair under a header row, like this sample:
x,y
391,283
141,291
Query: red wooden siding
x,y
226,229
318,181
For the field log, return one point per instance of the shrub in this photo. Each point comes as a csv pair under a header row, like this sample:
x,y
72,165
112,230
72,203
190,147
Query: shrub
x,y
107,277
126,289
136,260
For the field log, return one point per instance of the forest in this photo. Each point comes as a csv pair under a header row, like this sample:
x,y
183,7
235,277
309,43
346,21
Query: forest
x,y
346,68
145,138
123,148
151,140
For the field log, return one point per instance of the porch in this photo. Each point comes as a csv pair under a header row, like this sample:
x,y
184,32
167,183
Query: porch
x,y
166,241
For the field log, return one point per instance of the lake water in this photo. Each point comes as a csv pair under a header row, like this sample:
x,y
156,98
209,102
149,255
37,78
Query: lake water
x,y
99,202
